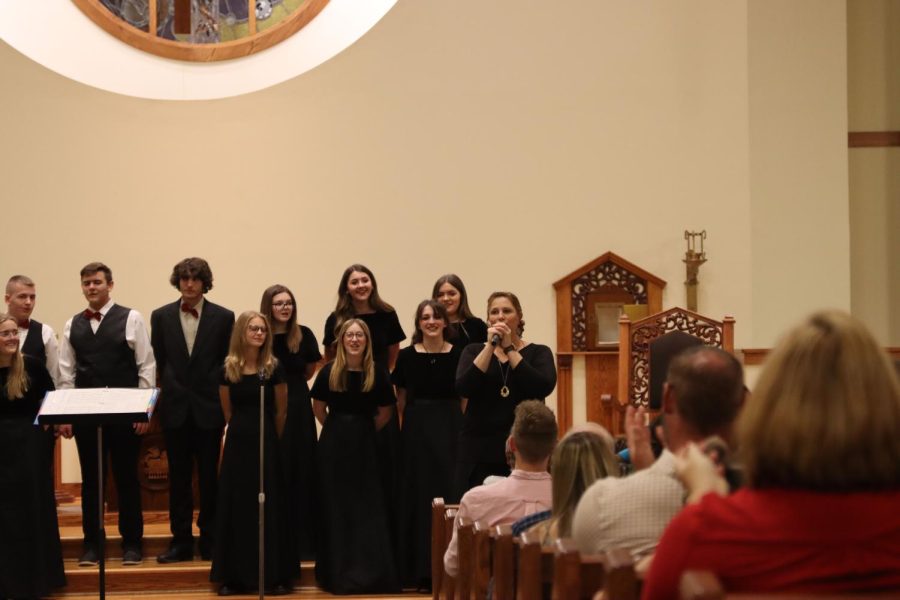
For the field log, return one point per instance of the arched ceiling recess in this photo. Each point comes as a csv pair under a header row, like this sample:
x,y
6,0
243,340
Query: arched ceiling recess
x,y
59,36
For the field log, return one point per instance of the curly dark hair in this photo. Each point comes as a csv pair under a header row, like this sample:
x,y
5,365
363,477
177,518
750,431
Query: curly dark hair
x,y
192,267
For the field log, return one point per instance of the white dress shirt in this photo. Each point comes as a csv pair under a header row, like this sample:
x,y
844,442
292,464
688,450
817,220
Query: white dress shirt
x,y
51,349
189,324
135,335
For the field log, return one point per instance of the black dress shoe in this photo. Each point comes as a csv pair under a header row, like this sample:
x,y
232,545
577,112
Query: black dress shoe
x,y
132,557
89,558
278,590
229,590
175,554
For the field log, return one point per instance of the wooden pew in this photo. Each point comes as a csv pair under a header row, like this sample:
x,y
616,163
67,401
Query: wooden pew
x,y
440,539
622,582
578,577
534,567
448,583
503,562
481,561
465,548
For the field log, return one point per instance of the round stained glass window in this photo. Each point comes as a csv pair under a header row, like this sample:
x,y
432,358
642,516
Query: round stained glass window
x,y
201,30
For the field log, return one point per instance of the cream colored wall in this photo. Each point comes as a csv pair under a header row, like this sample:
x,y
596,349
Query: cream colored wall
x,y
798,161
874,105
510,143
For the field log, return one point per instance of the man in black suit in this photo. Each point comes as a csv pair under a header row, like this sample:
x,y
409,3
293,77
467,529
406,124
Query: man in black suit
x,y
190,341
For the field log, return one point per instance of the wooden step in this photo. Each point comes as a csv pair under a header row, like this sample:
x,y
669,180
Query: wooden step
x,y
151,576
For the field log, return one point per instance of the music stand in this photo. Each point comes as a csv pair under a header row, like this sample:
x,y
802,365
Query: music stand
x,y
98,407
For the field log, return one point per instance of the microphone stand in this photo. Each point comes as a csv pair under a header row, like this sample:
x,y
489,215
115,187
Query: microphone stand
x,y
262,492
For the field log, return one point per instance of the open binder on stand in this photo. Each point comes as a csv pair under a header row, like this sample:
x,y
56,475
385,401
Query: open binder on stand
x,y
99,407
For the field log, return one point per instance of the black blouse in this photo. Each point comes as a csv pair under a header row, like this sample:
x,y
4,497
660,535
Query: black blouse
x,y
488,412
384,328
354,400
26,407
425,375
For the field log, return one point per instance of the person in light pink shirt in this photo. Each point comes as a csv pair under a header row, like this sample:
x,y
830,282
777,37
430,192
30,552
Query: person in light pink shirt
x,y
528,488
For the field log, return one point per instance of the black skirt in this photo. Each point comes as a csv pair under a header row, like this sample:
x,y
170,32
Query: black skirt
x,y
31,562
429,437
355,554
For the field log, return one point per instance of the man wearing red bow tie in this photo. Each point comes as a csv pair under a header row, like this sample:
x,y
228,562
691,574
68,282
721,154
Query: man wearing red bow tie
x,y
107,345
190,340
35,339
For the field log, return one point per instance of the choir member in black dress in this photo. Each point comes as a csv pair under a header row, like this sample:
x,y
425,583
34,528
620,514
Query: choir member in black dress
x,y
297,351
30,552
465,328
250,364
495,378
427,401
352,398
358,298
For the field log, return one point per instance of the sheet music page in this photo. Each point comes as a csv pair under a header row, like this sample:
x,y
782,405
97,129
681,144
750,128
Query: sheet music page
x,y
92,401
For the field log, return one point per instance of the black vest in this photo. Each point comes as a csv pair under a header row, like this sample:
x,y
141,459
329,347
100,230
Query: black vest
x,y
34,342
103,359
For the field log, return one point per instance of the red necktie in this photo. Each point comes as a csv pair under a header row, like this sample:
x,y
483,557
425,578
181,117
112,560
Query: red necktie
x,y
89,314
187,308
24,324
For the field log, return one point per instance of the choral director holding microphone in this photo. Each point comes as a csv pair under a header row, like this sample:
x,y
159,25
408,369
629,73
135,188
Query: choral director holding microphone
x,y
495,377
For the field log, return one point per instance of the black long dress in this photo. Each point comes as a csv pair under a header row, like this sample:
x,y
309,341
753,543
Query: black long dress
x,y
489,415
236,555
432,421
298,445
385,331
31,562
355,553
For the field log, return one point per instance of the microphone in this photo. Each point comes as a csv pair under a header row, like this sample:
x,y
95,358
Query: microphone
x,y
495,339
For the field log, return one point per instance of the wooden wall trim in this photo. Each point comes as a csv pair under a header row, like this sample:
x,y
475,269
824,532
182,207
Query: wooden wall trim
x,y
873,139
564,393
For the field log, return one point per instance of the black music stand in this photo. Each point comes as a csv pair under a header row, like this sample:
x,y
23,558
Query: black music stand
x,y
98,407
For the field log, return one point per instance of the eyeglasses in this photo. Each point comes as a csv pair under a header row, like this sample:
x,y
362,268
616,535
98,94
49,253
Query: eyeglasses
x,y
350,335
9,333
256,328
280,305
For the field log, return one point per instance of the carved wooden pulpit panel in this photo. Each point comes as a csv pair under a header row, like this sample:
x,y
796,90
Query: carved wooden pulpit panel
x,y
636,339
589,302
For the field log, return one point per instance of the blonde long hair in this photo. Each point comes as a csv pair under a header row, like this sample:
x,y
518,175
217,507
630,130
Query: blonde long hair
x,y
580,459
235,361
825,412
17,378
337,379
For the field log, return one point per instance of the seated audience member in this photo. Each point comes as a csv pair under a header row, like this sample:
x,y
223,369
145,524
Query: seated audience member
x,y
584,455
702,395
820,443
526,490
